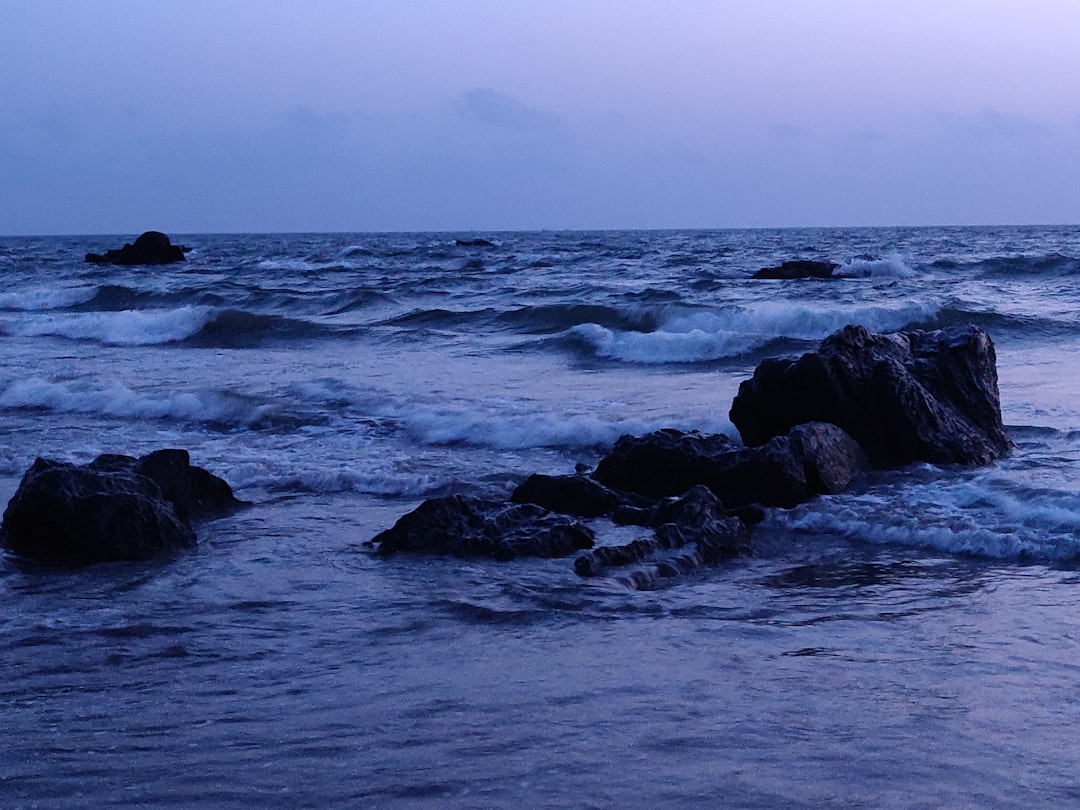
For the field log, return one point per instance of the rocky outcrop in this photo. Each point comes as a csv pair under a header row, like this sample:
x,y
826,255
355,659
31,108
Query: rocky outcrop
x,y
798,268
577,495
466,526
697,518
905,397
787,470
152,247
115,508
475,242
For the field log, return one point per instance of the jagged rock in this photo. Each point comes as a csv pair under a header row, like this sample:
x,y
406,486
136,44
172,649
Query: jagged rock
x,y
152,247
466,526
115,508
799,268
783,472
572,495
696,517
904,397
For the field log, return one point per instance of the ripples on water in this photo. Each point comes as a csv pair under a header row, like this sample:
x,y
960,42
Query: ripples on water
x,y
864,657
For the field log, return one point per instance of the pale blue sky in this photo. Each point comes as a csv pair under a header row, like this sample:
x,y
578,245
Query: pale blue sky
x,y
254,115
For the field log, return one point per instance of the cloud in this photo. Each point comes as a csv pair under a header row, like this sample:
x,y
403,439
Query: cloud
x,y
495,109
991,125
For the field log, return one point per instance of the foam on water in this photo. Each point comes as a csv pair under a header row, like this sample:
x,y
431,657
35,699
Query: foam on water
x,y
114,399
985,514
44,298
735,331
124,328
889,267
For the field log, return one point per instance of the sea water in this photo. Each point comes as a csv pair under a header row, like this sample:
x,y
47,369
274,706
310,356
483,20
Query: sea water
x,y
912,642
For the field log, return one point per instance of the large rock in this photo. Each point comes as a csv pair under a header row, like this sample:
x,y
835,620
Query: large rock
x,y
905,397
152,247
787,470
115,508
467,526
798,268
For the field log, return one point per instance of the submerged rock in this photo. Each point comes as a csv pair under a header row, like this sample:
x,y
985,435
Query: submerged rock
x,y
115,508
477,242
798,268
904,397
152,247
467,526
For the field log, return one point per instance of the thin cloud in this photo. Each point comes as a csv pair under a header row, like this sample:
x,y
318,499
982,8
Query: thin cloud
x,y
494,109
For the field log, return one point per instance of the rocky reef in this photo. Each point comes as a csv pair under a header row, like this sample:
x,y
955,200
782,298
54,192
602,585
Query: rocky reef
x,y
152,247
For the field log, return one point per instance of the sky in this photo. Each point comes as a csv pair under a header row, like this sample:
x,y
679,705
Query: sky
x,y
118,116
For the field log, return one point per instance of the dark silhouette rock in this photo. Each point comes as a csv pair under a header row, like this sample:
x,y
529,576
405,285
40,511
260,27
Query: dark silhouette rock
x,y
905,397
799,268
466,526
783,472
152,247
477,242
573,495
115,508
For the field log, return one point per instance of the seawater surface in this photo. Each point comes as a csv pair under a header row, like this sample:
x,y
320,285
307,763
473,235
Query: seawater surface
x,y
910,643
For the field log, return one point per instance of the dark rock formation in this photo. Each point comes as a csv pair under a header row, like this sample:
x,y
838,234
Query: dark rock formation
x,y
466,526
573,495
152,247
905,397
696,517
799,268
115,508
787,470
473,243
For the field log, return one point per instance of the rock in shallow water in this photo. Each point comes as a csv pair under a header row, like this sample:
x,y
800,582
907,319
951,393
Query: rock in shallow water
x,y
466,526
904,397
115,508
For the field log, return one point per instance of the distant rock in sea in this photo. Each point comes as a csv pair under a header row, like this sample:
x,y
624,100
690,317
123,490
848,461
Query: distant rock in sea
x,y
152,247
473,243
798,268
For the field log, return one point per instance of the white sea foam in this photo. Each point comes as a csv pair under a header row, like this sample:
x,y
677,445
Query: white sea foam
x,y
43,298
986,516
125,328
703,336
114,399
889,267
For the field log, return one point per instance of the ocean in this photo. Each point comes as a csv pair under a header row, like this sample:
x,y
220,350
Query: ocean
x,y
912,642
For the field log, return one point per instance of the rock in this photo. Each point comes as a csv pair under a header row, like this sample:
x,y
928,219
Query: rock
x,y
115,508
904,397
193,491
799,268
662,463
783,472
152,247
696,517
572,495
71,515
473,243
466,526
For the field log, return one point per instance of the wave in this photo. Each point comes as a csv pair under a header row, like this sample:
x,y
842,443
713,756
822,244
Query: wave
x,y
116,400
889,267
984,515
1049,264
124,328
45,298
739,330
235,329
